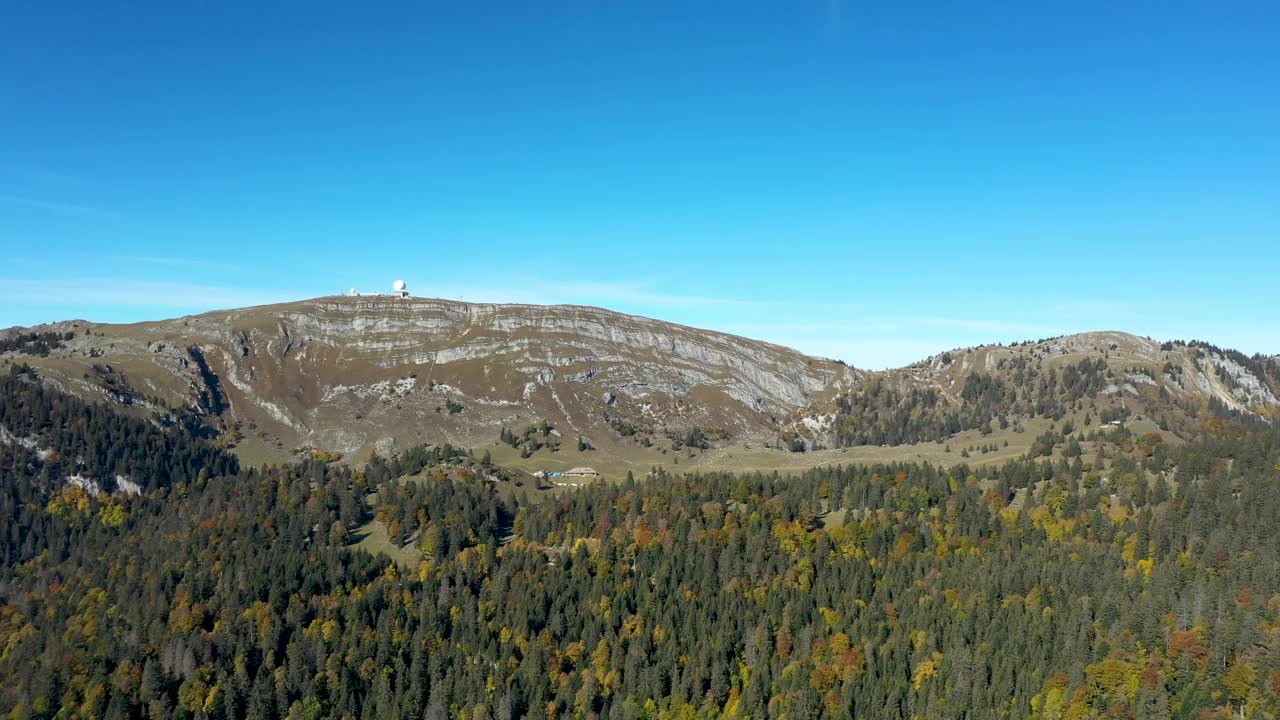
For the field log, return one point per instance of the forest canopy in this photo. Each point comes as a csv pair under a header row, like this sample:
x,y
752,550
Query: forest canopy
x,y
1145,588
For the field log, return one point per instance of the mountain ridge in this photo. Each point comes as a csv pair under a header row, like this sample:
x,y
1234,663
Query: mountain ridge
x,y
375,373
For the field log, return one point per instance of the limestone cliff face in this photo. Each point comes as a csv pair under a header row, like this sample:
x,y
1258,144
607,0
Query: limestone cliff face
x,y
638,356
348,372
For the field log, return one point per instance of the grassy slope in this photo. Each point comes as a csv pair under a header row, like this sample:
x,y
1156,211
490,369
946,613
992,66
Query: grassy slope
x,y
373,539
255,452
613,463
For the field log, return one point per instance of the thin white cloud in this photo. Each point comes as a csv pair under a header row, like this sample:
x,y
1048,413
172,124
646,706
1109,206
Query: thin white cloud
x,y
876,352
994,326
179,262
63,208
870,337
49,176
537,291
882,324
87,293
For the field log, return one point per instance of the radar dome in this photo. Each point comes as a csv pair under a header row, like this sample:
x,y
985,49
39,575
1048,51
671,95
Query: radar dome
x,y
398,286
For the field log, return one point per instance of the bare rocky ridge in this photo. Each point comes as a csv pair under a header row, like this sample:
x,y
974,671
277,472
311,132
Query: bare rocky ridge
x,y
358,373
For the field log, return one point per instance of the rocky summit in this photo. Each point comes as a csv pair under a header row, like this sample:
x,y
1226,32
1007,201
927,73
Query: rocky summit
x,y
361,373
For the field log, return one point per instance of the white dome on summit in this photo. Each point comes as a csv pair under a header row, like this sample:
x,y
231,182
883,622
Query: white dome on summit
x,y
398,286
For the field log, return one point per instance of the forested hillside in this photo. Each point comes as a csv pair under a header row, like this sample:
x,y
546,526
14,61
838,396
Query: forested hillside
x,y
1100,376
1146,587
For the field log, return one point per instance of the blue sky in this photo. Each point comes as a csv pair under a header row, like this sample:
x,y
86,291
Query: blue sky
x,y
870,181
